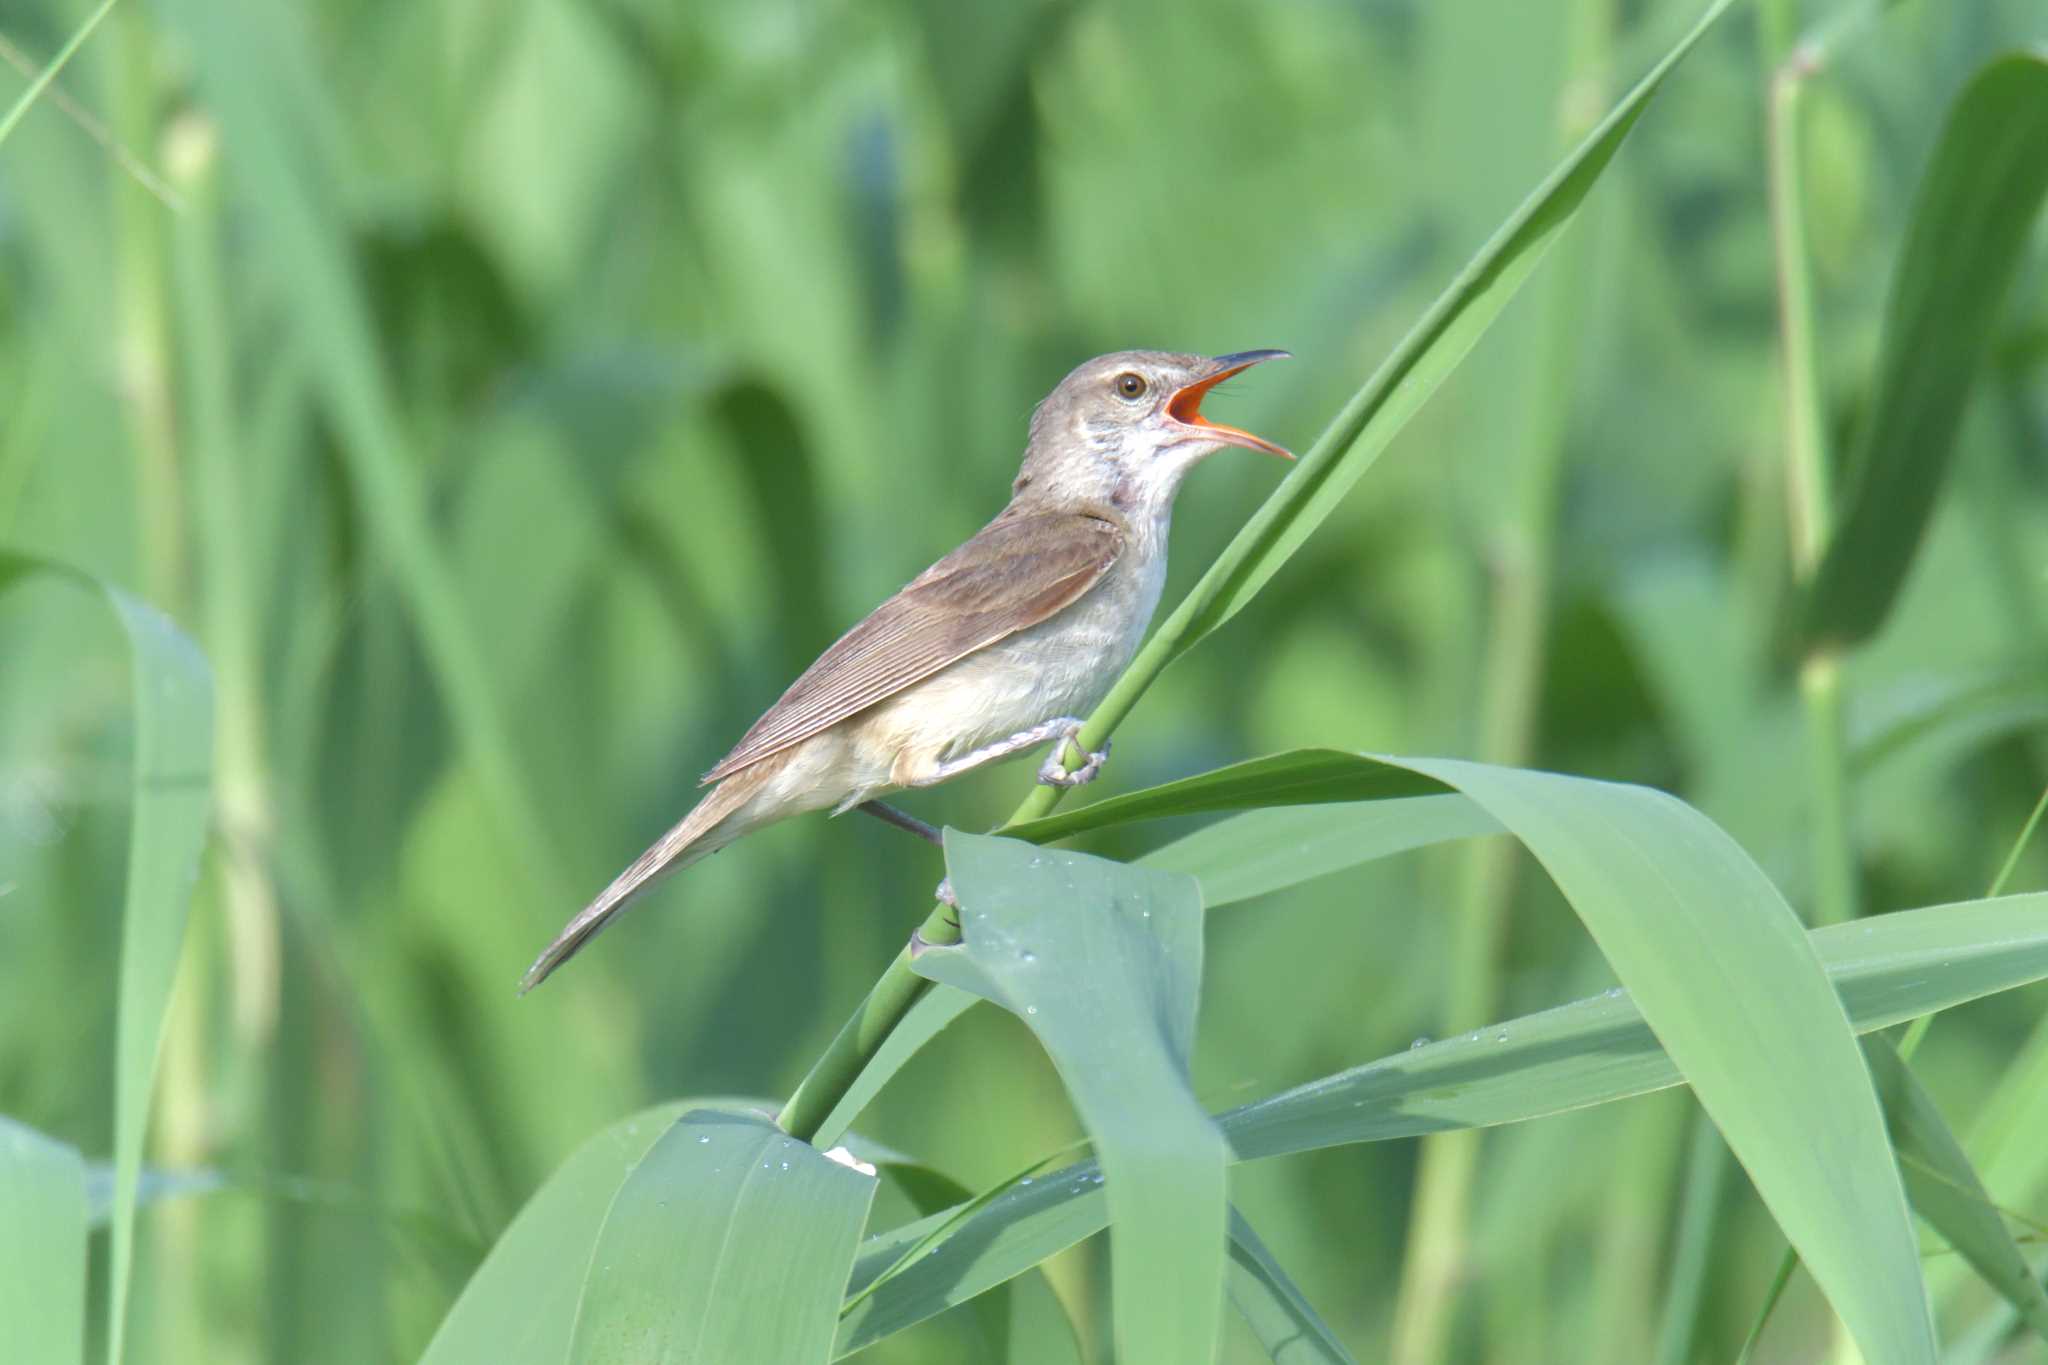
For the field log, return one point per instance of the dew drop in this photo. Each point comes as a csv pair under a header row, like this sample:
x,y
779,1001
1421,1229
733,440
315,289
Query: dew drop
x,y
702,1140
1025,1181
1031,1009
1501,1037
1614,992
1423,1041
785,1165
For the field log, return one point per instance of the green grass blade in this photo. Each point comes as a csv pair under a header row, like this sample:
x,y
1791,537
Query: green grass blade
x,y
1263,851
1720,967
1971,218
42,1248
1944,1187
730,1240
171,792
931,1191
519,1306
49,73
1103,962
1886,969
1279,1316
1298,777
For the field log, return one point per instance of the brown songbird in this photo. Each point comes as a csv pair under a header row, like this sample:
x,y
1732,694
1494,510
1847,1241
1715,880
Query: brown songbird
x,y
998,648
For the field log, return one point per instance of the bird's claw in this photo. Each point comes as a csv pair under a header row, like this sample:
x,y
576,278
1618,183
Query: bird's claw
x,y
1055,773
919,944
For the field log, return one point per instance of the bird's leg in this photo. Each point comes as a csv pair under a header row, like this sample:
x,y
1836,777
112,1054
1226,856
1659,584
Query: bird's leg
x,y
906,821
989,753
902,819
1055,773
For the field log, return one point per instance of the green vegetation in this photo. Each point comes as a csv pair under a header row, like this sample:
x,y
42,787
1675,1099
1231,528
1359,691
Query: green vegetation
x,y
430,433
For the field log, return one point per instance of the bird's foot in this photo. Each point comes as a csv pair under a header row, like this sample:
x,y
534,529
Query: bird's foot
x,y
1055,773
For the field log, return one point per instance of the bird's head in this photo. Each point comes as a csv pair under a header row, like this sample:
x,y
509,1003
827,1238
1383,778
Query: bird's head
x,y
1125,428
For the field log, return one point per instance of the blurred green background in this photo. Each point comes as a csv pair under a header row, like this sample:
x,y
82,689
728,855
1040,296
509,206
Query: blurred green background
x,y
513,396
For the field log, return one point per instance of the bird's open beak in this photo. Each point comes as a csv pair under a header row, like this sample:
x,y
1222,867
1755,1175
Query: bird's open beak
x,y
1185,407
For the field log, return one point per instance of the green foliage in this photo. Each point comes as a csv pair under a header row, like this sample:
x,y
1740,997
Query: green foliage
x,y
730,1240
1887,969
1945,1189
1103,963
42,1248
510,399
170,794
521,1303
1971,216
1287,1328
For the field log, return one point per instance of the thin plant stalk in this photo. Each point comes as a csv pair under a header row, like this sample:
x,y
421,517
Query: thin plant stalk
x,y
1520,557
1809,495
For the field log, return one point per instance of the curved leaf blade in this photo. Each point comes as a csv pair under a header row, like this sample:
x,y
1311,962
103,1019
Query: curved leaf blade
x,y
1298,777
520,1305
730,1240
1971,217
1886,968
1722,971
171,794
1103,962
1263,851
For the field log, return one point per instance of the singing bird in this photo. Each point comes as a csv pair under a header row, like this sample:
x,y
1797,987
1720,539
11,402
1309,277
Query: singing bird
x,y
998,648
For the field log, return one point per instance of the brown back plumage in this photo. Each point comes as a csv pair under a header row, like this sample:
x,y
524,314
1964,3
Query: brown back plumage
x,y
1016,571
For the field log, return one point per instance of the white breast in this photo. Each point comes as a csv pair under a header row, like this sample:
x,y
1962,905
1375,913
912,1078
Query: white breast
x,y
1061,667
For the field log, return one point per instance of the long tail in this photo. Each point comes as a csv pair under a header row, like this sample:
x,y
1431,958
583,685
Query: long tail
x,y
706,829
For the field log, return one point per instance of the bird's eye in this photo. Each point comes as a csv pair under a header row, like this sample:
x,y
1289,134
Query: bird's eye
x,y
1129,385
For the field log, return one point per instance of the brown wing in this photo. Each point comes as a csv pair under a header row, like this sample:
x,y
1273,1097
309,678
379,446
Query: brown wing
x,y
1014,573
